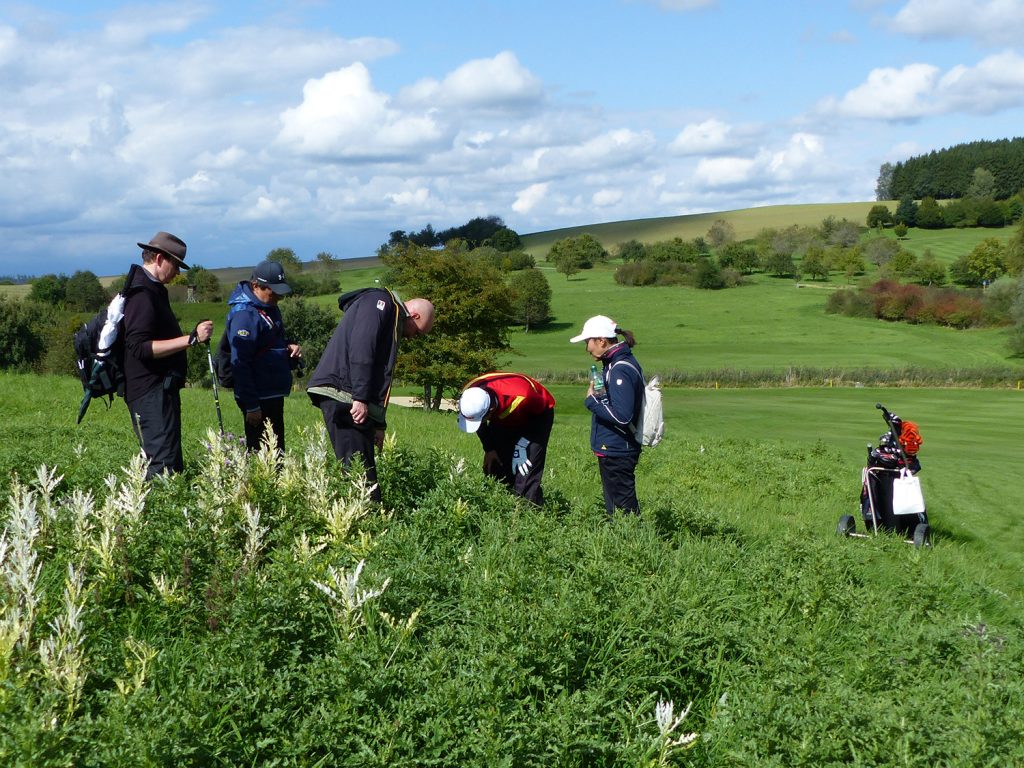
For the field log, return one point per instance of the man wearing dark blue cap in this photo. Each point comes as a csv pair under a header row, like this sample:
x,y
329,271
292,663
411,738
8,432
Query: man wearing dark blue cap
x,y
262,358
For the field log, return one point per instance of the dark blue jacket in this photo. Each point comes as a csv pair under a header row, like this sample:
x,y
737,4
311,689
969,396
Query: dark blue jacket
x,y
259,352
617,410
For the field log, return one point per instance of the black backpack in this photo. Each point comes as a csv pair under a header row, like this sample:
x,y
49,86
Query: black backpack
x,y
222,363
101,371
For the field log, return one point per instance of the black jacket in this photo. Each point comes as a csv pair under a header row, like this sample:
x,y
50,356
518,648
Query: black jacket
x,y
359,360
148,318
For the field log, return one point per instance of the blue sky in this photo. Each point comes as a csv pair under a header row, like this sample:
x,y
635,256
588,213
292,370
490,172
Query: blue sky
x,y
323,126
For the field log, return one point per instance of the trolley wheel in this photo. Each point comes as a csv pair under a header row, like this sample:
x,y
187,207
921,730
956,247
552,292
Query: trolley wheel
x,y
923,535
846,525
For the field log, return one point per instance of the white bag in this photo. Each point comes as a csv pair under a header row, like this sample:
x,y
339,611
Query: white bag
x,y
907,498
650,426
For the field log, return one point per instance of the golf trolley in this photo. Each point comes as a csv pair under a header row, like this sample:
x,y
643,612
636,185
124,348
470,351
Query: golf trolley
x,y
890,497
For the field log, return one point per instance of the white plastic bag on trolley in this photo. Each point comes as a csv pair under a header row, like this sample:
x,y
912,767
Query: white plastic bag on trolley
x,y
907,498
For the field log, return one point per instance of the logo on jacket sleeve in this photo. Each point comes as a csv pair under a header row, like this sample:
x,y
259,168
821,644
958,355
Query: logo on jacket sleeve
x,y
242,332
381,305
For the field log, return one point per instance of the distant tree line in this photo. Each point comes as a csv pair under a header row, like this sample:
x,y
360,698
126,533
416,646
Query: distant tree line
x,y
950,173
480,231
970,211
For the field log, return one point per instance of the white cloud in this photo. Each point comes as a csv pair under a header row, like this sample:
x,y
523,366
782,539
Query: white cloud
x,y
604,198
342,116
527,199
802,159
415,198
231,157
498,83
988,22
709,137
725,171
133,25
803,156
920,90
892,94
614,148
8,45
996,83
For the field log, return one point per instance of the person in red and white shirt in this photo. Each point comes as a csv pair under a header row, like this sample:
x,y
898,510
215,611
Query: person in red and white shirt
x,y
512,414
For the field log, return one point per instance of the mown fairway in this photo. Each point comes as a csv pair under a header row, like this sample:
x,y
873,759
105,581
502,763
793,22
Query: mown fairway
x,y
771,324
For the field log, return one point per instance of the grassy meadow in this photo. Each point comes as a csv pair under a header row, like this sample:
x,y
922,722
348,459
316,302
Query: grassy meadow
x,y
247,612
243,615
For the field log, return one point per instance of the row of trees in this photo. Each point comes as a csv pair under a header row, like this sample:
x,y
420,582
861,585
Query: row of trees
x,y
929,214
950,173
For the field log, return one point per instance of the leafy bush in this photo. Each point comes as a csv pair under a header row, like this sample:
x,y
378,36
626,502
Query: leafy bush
x,y
309,325
891,300
24,330
849,302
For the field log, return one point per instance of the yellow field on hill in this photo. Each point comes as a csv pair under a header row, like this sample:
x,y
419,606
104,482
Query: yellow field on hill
x,y
747,222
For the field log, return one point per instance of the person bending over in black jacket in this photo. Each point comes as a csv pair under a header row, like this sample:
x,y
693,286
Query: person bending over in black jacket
x,y
352,382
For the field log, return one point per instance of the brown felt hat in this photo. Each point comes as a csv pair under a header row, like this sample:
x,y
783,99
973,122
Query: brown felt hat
x,y
168,245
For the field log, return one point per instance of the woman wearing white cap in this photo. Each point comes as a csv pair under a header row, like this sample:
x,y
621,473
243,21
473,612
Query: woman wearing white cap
x,y
615,410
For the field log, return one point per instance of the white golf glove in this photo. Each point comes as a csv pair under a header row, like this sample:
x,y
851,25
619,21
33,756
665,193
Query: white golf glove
x,y
520,464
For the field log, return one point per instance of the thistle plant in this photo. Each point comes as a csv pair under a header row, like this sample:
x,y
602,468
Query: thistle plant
x,y
61,654
81,506
20,570
311,477
348,599
341,514
223,477
668,742
166,589
304,552
126,498
136,663
47,480
254,533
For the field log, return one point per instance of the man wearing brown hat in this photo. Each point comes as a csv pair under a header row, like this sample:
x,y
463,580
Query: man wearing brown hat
x,y
155,360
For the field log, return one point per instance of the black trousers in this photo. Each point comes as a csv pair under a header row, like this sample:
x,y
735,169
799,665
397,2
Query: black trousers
x,y
350,439
273,409
500,443
156,418
618,480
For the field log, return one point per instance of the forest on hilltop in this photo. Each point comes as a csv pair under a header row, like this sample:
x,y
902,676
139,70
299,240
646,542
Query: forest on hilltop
x,y
951,173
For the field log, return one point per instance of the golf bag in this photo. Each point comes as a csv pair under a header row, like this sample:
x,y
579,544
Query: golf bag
x,y
894,460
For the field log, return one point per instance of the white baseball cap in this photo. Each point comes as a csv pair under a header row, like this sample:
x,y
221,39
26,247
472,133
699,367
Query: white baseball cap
x,y
597,327
473,407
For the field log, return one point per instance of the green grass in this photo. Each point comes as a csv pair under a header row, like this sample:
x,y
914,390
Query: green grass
x,y
542,637
947,245
770,324
15,291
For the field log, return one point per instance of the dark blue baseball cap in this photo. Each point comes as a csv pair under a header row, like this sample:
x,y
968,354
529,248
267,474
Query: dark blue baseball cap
x,y
270,274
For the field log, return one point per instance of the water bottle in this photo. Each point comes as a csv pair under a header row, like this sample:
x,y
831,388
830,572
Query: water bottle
x,y
598,379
